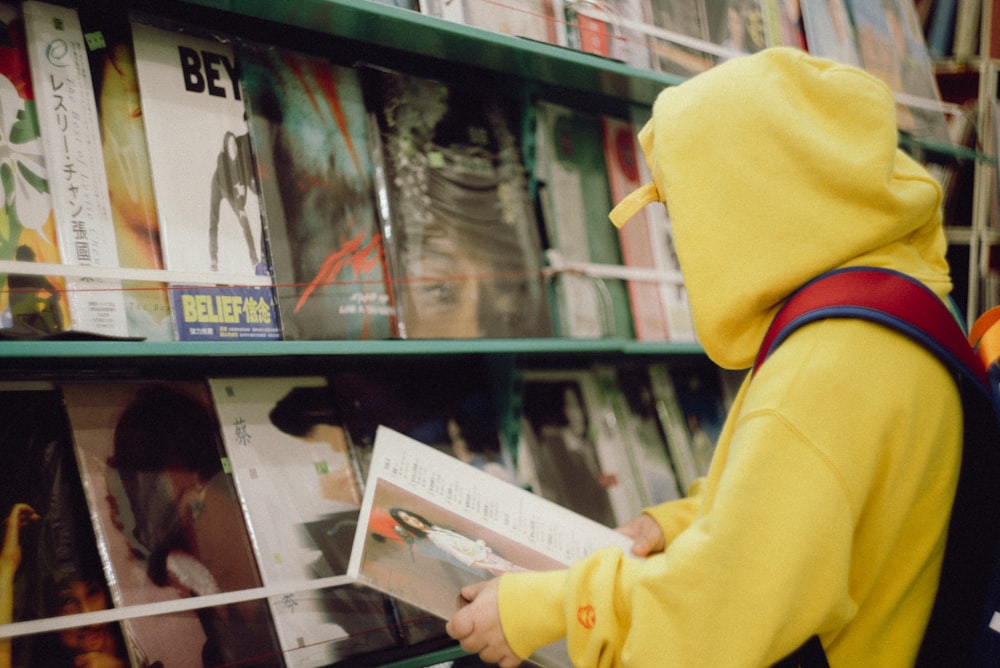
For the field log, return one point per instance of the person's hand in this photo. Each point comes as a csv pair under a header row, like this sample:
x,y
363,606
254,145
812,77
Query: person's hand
x,y
476,625
23,515
646,535
20,516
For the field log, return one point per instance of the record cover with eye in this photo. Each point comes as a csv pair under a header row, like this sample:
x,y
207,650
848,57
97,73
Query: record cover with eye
x,y
169,521
458,221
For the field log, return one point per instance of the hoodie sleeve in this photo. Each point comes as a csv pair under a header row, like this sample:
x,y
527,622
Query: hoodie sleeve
x,y
728,591
544,620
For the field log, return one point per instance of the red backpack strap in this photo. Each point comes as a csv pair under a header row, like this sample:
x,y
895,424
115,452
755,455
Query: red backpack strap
x,y
884,296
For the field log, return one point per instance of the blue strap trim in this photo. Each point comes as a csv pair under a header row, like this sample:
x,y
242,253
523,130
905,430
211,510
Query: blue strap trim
x,y
938,349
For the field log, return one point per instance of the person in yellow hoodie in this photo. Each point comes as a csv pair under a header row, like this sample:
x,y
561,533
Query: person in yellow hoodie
x,y
825,508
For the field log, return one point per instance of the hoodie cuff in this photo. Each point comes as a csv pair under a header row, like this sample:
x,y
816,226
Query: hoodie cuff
x,y
531,609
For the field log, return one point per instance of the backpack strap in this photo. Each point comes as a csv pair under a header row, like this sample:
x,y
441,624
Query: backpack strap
x,y
884,296
958,631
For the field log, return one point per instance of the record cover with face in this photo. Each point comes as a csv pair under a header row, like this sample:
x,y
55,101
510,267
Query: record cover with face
x,y
50,567
458,222
168,517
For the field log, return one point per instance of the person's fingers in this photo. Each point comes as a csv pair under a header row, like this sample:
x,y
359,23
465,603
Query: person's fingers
x,y
633,527
471,591
463,622
460,626
640,547
26,514
477,630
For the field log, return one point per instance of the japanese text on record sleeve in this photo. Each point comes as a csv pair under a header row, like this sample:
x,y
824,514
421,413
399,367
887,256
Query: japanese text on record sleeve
x,y
525,517
78,144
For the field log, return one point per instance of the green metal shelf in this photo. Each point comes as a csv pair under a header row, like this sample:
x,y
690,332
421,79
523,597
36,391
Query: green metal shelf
x,y
451,347
380,28
401,30
429,659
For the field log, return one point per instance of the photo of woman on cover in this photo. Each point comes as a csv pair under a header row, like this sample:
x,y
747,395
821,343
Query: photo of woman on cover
x,y
416,550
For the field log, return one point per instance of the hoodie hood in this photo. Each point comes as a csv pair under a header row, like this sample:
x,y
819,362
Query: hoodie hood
x,y
775,168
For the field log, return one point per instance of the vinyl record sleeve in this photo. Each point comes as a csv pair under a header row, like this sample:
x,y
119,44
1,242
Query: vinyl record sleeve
x,y
458,222
205,183
168,517
309,134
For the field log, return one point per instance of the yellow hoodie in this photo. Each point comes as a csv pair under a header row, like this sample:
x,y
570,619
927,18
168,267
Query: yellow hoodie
x,y
825,508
